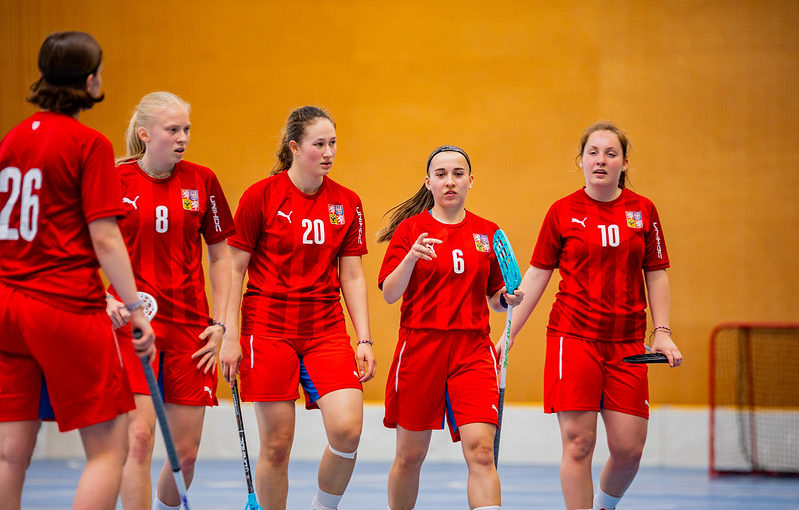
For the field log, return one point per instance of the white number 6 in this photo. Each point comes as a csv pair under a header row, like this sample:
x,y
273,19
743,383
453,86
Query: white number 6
x,y
458,265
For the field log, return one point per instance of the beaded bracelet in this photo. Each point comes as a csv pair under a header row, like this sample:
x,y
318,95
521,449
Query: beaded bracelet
x,y
212,322
365,342
661,328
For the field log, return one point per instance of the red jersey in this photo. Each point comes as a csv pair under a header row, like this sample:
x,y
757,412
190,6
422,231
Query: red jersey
x,y
601,250
448,292
56,176
164,219
295,241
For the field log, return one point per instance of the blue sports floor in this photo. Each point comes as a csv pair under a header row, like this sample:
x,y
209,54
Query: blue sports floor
x,y
220,485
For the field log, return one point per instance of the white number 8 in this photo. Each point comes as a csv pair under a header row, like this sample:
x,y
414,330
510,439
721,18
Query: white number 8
x,y
458,265
161,219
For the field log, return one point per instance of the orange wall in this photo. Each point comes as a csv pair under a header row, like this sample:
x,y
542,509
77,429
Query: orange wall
x,y
706,91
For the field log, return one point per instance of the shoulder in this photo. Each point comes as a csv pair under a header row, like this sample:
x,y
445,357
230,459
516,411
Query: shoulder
x,y
480,222
202,171
632,197
342,191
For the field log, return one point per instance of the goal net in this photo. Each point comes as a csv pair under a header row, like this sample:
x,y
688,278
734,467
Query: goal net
x,y
754,399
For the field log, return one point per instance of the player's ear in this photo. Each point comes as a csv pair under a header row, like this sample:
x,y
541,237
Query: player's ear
x,y
294,147
471,180
143,136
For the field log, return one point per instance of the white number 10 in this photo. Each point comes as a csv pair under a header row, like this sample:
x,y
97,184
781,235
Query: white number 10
x,y
610,235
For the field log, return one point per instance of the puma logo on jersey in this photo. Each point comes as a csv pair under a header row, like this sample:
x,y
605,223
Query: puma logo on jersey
x,y
126,200
210,393
495,408
287,216
35,125
646,402
575,220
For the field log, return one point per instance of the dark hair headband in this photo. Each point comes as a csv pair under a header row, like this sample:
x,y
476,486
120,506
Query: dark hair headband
x,y
449,148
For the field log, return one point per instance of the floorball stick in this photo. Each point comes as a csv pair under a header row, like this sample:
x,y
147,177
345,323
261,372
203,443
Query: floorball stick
x,y
513,278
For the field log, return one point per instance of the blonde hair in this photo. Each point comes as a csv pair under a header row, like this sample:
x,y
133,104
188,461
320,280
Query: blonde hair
x,y
150,105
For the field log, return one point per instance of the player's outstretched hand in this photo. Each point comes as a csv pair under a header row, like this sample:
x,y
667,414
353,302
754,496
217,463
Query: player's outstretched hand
x,y
663,343
117,312
207,353
367,363
143,344
230,356
424,248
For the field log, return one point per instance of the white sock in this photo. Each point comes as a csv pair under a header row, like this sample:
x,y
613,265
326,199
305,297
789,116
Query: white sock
x,y
495,507
604,501
325,501
157,505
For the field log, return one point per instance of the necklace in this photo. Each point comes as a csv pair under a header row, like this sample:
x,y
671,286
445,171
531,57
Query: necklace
x,y
154,176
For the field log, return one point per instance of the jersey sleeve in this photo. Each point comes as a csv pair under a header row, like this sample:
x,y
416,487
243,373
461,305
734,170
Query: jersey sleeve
x,y
398,247
656,256
101,191
355,239
546,254
248,220
218,222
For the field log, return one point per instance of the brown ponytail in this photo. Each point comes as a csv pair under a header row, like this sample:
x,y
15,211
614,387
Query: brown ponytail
x,y
421,201
294,130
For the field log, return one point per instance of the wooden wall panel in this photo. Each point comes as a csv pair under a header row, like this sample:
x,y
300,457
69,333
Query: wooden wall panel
x,y
706,91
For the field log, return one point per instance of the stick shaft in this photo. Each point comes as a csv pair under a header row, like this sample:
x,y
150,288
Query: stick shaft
x,y
245,458
160,413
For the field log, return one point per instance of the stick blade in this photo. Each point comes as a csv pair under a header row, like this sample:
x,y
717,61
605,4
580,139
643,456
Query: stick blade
x,y
507,261
650,357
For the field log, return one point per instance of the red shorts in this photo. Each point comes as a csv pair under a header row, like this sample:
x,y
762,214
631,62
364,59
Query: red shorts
x,y
75,353
273,368
437,373
179,379
585,375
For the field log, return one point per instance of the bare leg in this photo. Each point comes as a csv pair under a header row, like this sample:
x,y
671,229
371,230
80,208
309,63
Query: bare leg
x,y
136,491
106,445
477,441
403,479
342,414
578,434
626,438
276,432
186,426
17,439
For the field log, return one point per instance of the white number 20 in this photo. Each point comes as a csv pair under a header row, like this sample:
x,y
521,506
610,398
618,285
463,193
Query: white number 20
x,y
11,180
318,229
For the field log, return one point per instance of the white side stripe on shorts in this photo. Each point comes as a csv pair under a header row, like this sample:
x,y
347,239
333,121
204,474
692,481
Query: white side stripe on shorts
x,y
560,359
252,354
494,357
399,364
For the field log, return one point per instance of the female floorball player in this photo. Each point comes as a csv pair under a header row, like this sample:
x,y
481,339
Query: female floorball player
x,y
171,205
300,237
606,242
441,263
59,199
